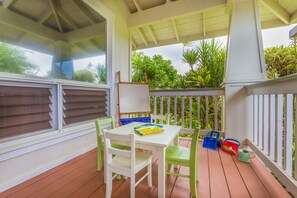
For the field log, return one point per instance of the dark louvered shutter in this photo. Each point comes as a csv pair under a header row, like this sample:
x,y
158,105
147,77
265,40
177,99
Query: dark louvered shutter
x,y
24,110
82,105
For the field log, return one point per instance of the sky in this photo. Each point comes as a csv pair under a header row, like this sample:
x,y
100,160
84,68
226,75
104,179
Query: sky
x,y
271,37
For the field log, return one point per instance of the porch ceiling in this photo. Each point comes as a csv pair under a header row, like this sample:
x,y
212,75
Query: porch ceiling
x,y
37,24
161,22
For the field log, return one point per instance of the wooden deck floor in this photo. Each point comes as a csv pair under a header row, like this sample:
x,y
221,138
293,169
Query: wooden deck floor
x,y
220,175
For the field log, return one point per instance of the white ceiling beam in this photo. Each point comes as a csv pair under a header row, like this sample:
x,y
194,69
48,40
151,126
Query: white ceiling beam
x,y
142,36
45,16
84,11
228,9
175,29
124,7
21,23
94,44
277,10
186,38
86,33
133,45
53,6
66,18
133,42
8,3
98,48
203,23
137,5
152,33
293,18
170,10
81,49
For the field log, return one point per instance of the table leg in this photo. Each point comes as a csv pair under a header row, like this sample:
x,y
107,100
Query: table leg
x,y
161,173
176,141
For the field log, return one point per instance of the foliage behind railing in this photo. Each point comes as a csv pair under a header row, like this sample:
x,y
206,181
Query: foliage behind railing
x,y
189,107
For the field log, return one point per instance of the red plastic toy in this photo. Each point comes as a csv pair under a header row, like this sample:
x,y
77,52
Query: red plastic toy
x,y
230,146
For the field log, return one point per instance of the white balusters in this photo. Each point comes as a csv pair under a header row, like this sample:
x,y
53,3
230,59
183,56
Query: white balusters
x,y
206,112
198,109
288,128
279,128
175,109
265,123
185,101
183,111
272,131
190,111
216,112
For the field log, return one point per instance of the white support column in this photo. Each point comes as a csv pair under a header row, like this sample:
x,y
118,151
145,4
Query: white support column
x,y
245,65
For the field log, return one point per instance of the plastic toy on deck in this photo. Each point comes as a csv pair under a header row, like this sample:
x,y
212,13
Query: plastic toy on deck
x,y
230,146
211,141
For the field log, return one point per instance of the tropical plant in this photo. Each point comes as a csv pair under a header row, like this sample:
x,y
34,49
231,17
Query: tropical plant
x,y
13,60
210,62
160,73
84,75
190,56
280,61
100,74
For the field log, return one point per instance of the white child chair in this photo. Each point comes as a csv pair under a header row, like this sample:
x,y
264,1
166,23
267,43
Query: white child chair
x,y
125,162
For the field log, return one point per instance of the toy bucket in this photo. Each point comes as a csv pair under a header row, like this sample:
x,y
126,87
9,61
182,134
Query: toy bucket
x,y
230,146
210,142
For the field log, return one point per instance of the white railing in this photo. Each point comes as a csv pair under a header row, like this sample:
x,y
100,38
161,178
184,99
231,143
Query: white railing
x,y
191,106
274,129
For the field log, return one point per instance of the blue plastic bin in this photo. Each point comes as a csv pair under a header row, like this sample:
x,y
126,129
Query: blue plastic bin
x,y
125,121
211,141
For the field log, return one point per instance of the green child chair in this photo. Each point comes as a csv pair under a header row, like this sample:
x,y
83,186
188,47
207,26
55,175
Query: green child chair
x,y
100,144
182,156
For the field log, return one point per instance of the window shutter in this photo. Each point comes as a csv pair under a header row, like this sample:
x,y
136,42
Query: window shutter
x,y
82,105
24,110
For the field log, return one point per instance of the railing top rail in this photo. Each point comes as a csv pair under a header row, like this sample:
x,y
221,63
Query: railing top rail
x,y
283,85
188,92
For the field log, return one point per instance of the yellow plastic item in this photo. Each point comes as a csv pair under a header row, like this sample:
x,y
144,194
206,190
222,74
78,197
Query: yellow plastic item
x,y
149,129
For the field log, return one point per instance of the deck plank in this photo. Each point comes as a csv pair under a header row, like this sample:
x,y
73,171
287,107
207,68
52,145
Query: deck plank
x,y
43,181
63,168
89,188
79,179
218,183
76,183
100,192
272,185
251,180
235,183
60,183
203,188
